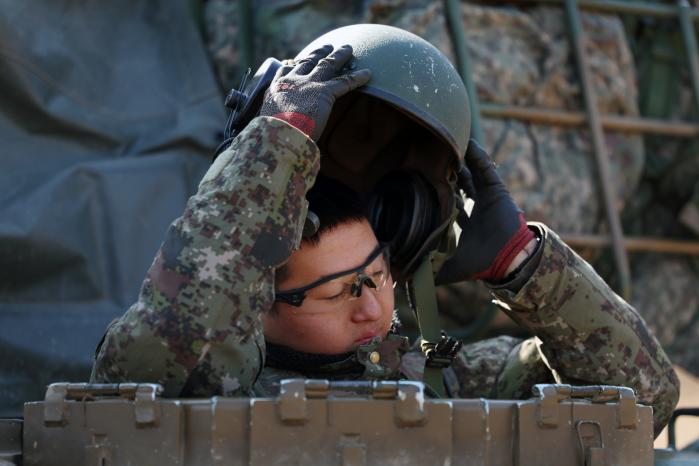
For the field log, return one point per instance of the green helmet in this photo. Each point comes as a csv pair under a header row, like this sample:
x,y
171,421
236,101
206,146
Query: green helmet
x,y
409,73
400,140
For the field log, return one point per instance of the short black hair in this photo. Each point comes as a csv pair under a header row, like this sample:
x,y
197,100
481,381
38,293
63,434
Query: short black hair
x,y
335,204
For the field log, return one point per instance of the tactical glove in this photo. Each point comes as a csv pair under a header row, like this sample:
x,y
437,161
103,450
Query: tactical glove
x,y
303,93
494,234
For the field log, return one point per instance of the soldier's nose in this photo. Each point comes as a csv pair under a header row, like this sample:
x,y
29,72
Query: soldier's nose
x,y
367,306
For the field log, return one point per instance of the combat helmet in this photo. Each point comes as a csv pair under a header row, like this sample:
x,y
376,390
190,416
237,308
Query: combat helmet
x,y
409,73
400,140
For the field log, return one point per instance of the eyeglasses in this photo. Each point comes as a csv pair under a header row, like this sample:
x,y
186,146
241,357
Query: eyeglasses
x,y
343,286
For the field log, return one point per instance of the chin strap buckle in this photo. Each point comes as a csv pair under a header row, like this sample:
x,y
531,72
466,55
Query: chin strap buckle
x,y
441,354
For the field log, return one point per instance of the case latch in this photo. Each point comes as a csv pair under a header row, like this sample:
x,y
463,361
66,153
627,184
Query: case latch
x,y
292,403
144,396
551,394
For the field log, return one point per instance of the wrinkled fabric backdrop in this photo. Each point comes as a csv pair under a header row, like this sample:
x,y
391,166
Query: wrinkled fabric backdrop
x,y
108,117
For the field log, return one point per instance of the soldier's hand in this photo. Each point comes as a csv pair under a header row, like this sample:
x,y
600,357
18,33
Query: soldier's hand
x,y
494,234
303,92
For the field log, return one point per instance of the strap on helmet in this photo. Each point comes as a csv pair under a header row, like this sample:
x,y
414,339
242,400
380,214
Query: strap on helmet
x,y
439,349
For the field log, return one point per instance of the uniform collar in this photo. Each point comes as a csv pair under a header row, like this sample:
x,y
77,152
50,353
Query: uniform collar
x,y
378,359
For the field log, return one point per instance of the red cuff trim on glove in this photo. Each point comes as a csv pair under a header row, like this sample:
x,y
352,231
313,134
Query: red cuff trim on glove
x,y
507,254
302,122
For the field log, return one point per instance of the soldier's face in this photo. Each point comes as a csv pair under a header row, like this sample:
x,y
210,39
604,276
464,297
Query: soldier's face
x,y
321,325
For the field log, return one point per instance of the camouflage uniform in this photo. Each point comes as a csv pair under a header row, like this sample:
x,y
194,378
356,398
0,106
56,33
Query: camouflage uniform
x,y
196,327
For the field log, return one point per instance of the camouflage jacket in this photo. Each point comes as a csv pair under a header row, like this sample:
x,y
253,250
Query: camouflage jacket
x,y
196,327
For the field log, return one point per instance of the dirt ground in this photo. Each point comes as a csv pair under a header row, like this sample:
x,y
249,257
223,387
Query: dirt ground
x,y
687,428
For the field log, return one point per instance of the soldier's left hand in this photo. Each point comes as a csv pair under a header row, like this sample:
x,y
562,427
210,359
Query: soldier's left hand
x,y
494,234
303,92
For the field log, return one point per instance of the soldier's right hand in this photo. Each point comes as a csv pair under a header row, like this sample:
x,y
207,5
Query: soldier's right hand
x,y
495,233
302,93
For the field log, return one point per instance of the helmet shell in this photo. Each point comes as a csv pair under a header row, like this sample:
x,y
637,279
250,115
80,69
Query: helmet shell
x,y
410,74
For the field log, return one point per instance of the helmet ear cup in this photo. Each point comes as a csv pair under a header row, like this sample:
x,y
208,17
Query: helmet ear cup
x,y
404,211
245,103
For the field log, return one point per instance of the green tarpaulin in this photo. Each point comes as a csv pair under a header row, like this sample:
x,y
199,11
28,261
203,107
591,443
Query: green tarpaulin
x,y
109,113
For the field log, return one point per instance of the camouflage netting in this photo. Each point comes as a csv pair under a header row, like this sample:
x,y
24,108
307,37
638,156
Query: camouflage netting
x,y
669,304
666,204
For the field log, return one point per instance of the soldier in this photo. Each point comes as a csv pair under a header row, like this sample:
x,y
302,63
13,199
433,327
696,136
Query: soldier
x,y
210,299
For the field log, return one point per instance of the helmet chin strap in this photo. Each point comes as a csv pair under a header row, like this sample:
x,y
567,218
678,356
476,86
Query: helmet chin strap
x,y
438,348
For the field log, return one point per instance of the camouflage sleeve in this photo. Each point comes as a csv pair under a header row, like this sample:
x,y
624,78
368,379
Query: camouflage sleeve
x,y
196,327
585,333
504,367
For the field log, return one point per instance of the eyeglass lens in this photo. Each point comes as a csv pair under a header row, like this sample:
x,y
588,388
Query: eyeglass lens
x,y
347,287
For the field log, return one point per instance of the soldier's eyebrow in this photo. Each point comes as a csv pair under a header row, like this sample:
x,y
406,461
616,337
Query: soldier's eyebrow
x,y
326,278
372,255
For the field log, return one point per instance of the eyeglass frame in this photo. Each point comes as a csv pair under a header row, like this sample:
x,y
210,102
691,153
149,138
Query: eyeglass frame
x,y
296,296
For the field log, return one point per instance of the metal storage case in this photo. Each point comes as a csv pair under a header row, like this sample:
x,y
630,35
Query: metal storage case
x,y
343,423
